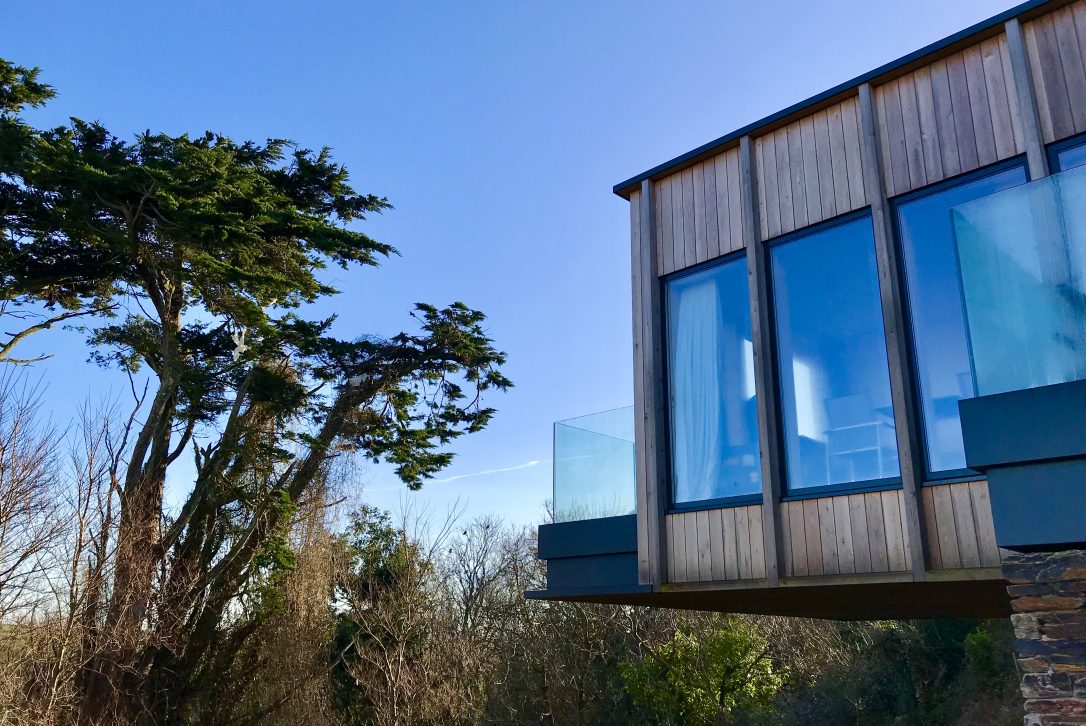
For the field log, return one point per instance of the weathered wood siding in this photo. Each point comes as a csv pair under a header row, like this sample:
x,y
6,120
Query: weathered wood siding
x,y
953,116
960,531
948,115
1056,46
844,535
699,213
716,545
810,170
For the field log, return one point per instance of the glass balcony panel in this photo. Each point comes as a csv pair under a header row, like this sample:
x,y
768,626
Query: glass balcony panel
x,y
594,466
1022,260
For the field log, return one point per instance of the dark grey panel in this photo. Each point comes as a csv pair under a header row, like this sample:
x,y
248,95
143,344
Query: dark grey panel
x,y
1040,505
608,535
1035,424
596,571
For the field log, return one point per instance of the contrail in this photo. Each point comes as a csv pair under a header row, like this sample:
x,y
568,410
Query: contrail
x,y
472,475
526,465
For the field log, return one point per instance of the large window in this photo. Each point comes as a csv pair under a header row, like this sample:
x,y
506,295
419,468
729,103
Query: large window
x,y
714,430
935,306
835,384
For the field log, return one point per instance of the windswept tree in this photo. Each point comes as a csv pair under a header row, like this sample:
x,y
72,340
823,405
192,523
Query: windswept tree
x,y
194,257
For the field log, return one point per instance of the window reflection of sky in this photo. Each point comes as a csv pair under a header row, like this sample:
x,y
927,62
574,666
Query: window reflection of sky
x,y
835,384
936,313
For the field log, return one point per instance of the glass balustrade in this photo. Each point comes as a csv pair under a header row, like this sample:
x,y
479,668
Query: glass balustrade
x,y
594,466
1022,261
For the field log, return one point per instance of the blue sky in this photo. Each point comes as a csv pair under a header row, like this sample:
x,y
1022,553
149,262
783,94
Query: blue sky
x,y
497,130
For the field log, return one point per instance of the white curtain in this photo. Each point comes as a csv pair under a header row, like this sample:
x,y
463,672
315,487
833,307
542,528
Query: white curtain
x,y
696,392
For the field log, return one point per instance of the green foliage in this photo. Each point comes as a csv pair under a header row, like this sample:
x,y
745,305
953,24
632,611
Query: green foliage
x,y
192,258
705,676
913,672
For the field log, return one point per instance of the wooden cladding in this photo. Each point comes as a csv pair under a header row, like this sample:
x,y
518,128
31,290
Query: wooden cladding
x,y
699,213
850,534
953,116
1056,46
810,170
957,114
960,531
716,545
840,535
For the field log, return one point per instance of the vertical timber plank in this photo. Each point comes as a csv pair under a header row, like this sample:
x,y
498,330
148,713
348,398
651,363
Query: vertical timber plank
x,y
813,534
964,133
811,191
712,228
895,539
757,541
982,515
838,160
861,539
946,528
929,127
980,108
705,556
649,404
892,294
842,520
857,173
701,250
944,119
798,537
965,526
1028,117
731,544
758,287
824,164
827,531
876,532
934,552
742,536
716,546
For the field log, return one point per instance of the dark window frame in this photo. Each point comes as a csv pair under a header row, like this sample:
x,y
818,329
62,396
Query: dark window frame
x,y
673,507
1053,150
914,404
827,490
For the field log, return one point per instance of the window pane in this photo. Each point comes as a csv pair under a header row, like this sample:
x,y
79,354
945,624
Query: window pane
x,y
935,307
1071,157
714,425
835,383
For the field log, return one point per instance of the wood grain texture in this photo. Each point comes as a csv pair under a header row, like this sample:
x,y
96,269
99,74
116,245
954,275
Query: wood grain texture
x,y
846,534
716,545
960,528
1056,48
949,117
652,545
809,170
699,214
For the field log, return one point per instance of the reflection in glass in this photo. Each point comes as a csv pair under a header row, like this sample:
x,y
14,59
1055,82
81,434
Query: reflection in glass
x,y
834,379
935,307
594,466
1023,269
1070,157
714,426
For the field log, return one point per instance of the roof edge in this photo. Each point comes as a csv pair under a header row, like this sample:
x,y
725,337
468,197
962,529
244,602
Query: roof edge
x,y
624,188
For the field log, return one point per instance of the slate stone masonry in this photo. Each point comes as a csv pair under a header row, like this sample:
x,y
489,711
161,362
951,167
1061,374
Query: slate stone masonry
x,y
1048,599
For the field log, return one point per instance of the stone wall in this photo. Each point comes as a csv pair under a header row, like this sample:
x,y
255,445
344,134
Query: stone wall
x,y
1048,600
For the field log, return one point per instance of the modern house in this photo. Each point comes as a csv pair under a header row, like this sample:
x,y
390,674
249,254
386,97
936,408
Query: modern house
x,y
859,348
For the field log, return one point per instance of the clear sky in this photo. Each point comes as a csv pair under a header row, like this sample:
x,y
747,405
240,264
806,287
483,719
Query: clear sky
x,y
497,130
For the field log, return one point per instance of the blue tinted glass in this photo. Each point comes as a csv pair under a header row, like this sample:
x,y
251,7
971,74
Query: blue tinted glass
x,y
835,384
1071,157
714,425
935,307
